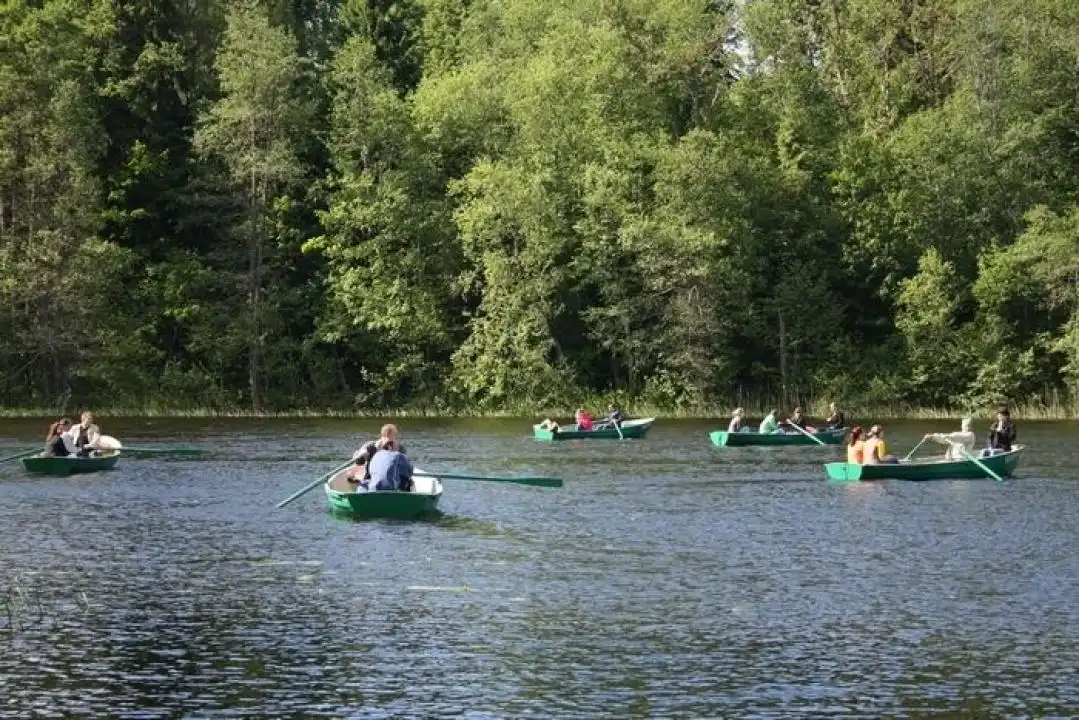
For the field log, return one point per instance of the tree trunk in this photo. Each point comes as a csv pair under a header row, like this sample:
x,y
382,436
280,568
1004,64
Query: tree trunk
x,y
783,369
254,268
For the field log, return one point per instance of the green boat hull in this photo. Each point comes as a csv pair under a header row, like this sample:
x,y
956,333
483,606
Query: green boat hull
x,y
397,505
1003,465
630,429
722,438
63,466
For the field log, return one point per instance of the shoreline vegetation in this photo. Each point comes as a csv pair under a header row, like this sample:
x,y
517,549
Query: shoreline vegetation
x,y
816,410
469,208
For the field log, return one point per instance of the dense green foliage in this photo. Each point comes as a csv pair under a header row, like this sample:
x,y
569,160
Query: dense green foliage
x,y
497,203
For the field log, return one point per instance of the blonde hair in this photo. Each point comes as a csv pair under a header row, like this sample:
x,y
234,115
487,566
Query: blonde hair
x,y
86,417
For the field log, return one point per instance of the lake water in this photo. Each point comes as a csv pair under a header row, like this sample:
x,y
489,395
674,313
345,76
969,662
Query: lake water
x,y
667,579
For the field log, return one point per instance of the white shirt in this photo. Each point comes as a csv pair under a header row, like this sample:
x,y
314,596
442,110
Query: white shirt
x,y
957,442
92,435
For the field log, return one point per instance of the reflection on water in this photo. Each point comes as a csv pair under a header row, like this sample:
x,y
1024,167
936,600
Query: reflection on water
x,y
667,579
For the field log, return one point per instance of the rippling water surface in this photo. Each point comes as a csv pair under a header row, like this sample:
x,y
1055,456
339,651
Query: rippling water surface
x,y
667,579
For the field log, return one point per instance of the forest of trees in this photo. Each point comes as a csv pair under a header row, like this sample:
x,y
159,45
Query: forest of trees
x,y
487,204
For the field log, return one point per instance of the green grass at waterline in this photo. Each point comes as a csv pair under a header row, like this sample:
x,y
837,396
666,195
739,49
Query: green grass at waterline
x,y
816,409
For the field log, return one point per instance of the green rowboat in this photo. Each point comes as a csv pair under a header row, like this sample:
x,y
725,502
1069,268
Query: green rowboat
x,y
423,500
1003,464
70,465
630,429
722,438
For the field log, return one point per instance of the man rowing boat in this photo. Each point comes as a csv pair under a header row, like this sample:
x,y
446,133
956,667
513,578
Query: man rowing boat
x,y
958,442
387,440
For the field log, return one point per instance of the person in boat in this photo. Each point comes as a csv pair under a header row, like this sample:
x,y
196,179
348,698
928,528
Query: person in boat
x,y
584,420
549,424
57,442
876,450
769,424
387,440
1002,432
856,446
799,420
738,421
613,417
85,435
958,442
389,470
836,420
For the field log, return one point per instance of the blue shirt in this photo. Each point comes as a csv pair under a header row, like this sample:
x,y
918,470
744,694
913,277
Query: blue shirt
x,y
389,470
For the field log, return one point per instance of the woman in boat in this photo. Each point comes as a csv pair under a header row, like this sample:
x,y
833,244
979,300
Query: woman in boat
x,y
836,420
769,424
1002,432
85,435
390,470
958,442
856,446
584,420
738,421
876,451
57,443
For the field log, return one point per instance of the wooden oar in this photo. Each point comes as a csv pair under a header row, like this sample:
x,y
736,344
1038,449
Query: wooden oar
x,y
980,464
915,448
619,429
149,451
808,434
21,455
314,484
538,481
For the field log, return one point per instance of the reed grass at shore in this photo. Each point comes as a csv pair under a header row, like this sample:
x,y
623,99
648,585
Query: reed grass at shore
x,y
816,409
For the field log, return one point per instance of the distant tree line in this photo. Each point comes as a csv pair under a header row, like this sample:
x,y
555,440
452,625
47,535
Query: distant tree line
x,y
493,203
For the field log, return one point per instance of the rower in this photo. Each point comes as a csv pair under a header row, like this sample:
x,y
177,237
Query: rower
x,y
613,418
799,420
390,470
958,442
387,440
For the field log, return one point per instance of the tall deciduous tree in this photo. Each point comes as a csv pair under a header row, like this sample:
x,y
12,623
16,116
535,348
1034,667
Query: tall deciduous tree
x,y
256,130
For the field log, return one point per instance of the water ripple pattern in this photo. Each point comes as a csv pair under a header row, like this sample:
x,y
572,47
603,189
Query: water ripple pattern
x,y
667,579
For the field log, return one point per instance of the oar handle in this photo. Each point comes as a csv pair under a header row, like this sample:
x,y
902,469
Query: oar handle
x,y
314,484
